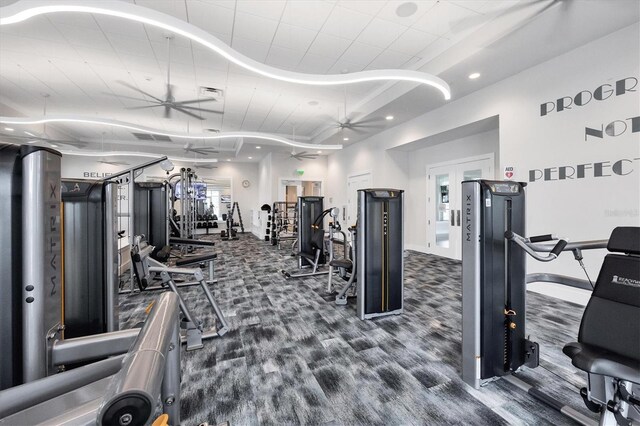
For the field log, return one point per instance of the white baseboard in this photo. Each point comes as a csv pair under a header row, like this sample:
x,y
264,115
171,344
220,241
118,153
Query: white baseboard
x,y
569,294
416,247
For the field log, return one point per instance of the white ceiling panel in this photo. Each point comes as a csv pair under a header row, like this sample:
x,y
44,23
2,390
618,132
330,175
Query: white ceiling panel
x,y
131,46
346,23
180,55
329,46
315,64
254,27
64,19
39,28
174,8
141,64
310,14
255,50
269,9
211,17
79,36
284,58
159,35
368,7
412,42
441,18
381,33
293,37
123,27
36,48
361,54
389,59
205,58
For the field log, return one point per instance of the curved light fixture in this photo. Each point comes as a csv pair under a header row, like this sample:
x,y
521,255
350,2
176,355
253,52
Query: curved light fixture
x,y
142,129
135,154
25,9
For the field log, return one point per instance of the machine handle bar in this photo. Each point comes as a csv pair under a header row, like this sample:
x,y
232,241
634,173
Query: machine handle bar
x,y
526,245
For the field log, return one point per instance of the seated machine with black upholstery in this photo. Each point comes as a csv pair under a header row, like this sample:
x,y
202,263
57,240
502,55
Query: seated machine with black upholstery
x,y
608,346
145,269
311,243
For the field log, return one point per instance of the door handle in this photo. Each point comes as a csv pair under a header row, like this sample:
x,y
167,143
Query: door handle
x,y
458,217
453,217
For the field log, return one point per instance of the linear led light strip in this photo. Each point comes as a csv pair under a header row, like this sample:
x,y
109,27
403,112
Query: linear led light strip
x,y
25,9
135,154
130,126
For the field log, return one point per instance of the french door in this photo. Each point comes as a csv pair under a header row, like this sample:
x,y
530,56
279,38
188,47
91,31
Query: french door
x,y
444,231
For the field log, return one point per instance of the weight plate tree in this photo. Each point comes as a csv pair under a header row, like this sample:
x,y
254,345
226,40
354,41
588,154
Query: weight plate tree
x,y
380,257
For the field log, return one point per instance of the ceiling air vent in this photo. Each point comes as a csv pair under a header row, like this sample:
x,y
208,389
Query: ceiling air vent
x,y
143,136
162,138
211,92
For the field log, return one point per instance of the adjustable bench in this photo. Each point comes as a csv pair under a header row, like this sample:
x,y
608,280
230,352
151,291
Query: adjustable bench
x,y
199,260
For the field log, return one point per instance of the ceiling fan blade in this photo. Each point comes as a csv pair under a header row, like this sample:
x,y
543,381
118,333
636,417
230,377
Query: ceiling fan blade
x,y
202,152
124,97
200,109
184,111
195,101
167,111
144,106
132,87
77,144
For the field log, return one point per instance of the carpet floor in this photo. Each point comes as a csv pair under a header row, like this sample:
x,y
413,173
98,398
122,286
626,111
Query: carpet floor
x,y
292,356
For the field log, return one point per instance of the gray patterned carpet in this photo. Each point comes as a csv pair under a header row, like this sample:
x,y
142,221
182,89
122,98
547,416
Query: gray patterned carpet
x,y
293,357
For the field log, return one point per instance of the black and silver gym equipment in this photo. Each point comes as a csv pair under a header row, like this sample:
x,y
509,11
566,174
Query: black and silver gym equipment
x,y
31,292
494,295
380,252
311,247
145,269
90,251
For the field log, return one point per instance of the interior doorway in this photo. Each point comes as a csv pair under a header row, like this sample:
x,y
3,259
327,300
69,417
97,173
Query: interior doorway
x,y
289,189
355,182
444,223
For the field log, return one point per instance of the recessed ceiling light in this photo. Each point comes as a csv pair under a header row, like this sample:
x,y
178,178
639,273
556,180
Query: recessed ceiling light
x,y
319,152
258,147
32,141
30,134
228,159
54,145
389,117
406,9
474,75
345,139
250,158
8,129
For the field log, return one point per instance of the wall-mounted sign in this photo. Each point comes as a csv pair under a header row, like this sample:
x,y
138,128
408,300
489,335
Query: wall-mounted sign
x,y
96,174
509,172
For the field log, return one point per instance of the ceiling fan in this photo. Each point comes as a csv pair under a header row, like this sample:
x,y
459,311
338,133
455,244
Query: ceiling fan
x,y
114,163
468,22
349,123
169,102
304,155
37,137
204,166
201,151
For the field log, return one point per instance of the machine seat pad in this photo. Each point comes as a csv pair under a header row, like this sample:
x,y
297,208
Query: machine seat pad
x,y
191,260
341,263
190,242
593,359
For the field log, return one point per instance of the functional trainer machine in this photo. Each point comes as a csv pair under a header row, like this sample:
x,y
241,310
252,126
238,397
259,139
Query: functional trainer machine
x,y
494,303
31,293
380,252
311,251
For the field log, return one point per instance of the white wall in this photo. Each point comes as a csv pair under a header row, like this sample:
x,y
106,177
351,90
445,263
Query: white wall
x,y
580,208
284,167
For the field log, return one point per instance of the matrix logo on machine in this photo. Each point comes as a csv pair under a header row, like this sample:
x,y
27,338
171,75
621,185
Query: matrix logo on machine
x,y
625,281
